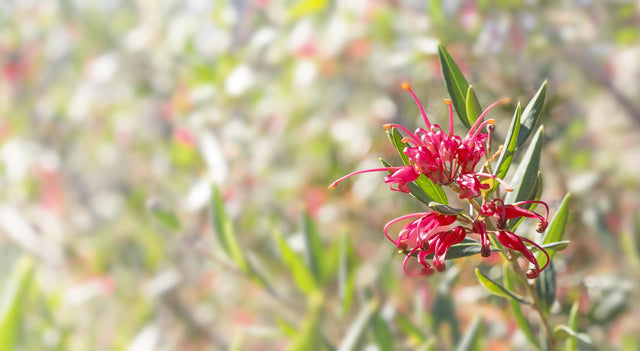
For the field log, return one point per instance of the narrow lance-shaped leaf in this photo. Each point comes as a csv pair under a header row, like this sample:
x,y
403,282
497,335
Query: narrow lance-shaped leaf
x,y
496,289
509,148
356,331
396,140
12,298
572,343
563,331
346,276
524,180
382,333
474,110
313,246
546,288
225,232
522,322
531,115
456,84
534,195
302,275
556,229
471,339
309,335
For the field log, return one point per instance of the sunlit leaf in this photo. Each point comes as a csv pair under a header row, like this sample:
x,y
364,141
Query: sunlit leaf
x,y
433,190
309,335
382,333
225,231
572,343
356,330
396,140
301,273
496,289
546,288
521,320
531,115
456,84
504,161
416,334
556,229
563,331
313,246
474,110
12,299
167,218
346,276
306,7
524,180
471,339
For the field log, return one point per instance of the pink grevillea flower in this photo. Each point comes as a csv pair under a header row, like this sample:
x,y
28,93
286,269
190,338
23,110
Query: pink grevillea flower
x,y
441,156
497,208
444,157
430,233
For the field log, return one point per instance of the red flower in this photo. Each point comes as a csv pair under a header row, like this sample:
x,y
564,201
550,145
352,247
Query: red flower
x,y
515,242
503,212
430,233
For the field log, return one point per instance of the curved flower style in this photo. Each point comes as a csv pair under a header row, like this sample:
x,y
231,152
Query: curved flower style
x,y
430,233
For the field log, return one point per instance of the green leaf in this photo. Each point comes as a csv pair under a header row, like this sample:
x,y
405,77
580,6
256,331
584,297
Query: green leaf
x,y
432,190
313,246
531,115
456,84
521,320
225,232
562,332
572,343
356,331
546,288
471,339
555,230
166,218
474,110
524,180
534,195
416,335
396,140
13,297
496,289
509,148
346,276
309,334
443,310
307,7
444,209
302,275
382,333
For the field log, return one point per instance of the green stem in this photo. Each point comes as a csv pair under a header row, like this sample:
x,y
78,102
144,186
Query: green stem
x,y
535,301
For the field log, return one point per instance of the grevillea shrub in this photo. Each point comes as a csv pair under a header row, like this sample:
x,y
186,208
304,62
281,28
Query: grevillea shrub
x,y
435,157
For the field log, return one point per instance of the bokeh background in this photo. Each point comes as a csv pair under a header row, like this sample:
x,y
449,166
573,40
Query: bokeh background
x,y
118,118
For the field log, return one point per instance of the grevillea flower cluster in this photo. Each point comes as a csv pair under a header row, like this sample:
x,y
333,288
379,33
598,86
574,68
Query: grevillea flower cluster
x,y
447,159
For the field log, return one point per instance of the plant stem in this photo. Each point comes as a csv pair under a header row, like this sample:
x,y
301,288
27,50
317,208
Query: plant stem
x,y
535,305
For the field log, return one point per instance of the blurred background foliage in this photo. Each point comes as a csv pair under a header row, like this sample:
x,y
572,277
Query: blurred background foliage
x,y
118,119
